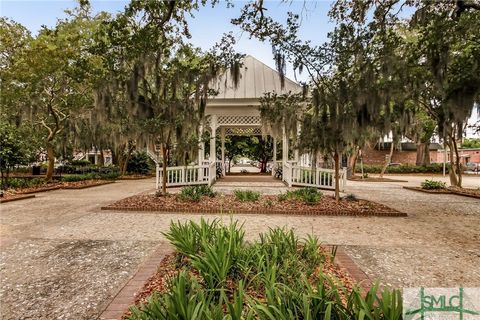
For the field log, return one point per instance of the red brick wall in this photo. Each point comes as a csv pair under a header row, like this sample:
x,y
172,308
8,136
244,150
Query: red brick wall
x,y
467,155
374,156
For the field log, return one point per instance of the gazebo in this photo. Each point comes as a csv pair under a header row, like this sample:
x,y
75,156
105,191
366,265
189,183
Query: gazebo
x,y
234,111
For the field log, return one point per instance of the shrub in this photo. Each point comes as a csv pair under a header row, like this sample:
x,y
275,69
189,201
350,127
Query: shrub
x,y
139,163
195,193
277,277
404,168
307,195
351,197
15,183
80,163
91,176
246,195
433,185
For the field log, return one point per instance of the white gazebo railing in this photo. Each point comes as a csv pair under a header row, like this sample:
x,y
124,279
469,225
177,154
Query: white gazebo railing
x,y
295,175
187,175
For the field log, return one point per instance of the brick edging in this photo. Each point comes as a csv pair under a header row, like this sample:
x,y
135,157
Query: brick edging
x,y
266,211
26,196
125,297
443,191
343,260
42,190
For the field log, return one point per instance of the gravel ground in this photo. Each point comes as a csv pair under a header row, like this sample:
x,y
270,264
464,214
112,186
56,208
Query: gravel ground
x,y
64,258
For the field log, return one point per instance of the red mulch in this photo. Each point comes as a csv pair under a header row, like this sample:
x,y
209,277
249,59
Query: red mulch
x,y
266,204
15,197
468,192
475,193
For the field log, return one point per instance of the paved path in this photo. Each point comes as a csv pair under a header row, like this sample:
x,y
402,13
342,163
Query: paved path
x,y
64,258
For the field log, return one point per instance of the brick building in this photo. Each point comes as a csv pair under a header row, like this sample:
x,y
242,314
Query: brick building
x,y
466,155
406,153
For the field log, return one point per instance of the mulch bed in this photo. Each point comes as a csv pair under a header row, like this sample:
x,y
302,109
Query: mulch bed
x,y
473,193
167,270
55,185
86,184
10,197
267,204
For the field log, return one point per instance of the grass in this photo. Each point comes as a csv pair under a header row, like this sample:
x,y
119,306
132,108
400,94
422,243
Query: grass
x,y
222,276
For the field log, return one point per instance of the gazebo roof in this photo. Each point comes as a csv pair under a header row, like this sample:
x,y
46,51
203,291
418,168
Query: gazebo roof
x,y
256,79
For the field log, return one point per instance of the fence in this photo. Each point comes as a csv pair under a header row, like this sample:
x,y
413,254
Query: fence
x,y
295,175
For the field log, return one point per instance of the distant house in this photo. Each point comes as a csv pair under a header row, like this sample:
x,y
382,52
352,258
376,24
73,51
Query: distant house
x,y
405,153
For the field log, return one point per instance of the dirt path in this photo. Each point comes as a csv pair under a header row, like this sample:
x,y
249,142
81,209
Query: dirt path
x,y
64,258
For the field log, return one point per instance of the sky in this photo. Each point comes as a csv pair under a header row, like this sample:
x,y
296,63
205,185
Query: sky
x,y
207,26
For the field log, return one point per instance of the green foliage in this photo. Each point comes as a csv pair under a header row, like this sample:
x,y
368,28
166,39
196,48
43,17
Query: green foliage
x,y
80,163
307,195
139,163
471,143
433,185
195,193
17,146
246,195
351,197
220,271
15,183
91,176
404,168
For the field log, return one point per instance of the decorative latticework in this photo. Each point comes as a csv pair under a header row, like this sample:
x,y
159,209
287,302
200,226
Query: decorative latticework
x,y
250,131
238,120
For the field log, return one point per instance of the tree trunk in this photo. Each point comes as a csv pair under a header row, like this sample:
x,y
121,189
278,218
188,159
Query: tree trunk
x,y
101,159
387,161
353,160
164,169
263,166
423,154
51,161
455,172
336,159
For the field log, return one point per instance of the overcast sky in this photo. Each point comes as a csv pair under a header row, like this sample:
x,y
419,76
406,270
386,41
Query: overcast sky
x,y
207,27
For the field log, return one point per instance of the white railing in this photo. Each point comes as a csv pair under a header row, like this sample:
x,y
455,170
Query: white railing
x,y
295,175
186,175
287,173
212,170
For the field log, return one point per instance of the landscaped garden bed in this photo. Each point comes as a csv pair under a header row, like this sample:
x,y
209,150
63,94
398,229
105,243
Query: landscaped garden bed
x,y
300,202
8,197
438,187
36,185
215,274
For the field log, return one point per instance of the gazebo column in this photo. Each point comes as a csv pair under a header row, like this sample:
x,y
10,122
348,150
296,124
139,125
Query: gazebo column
x,y
222,137
274,158
284,145
213,127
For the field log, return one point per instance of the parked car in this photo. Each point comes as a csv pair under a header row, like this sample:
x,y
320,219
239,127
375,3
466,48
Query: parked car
x,y
472,166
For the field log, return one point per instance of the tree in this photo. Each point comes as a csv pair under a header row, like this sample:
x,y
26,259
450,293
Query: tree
x,y
55,73
440,55
166,81
17,147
